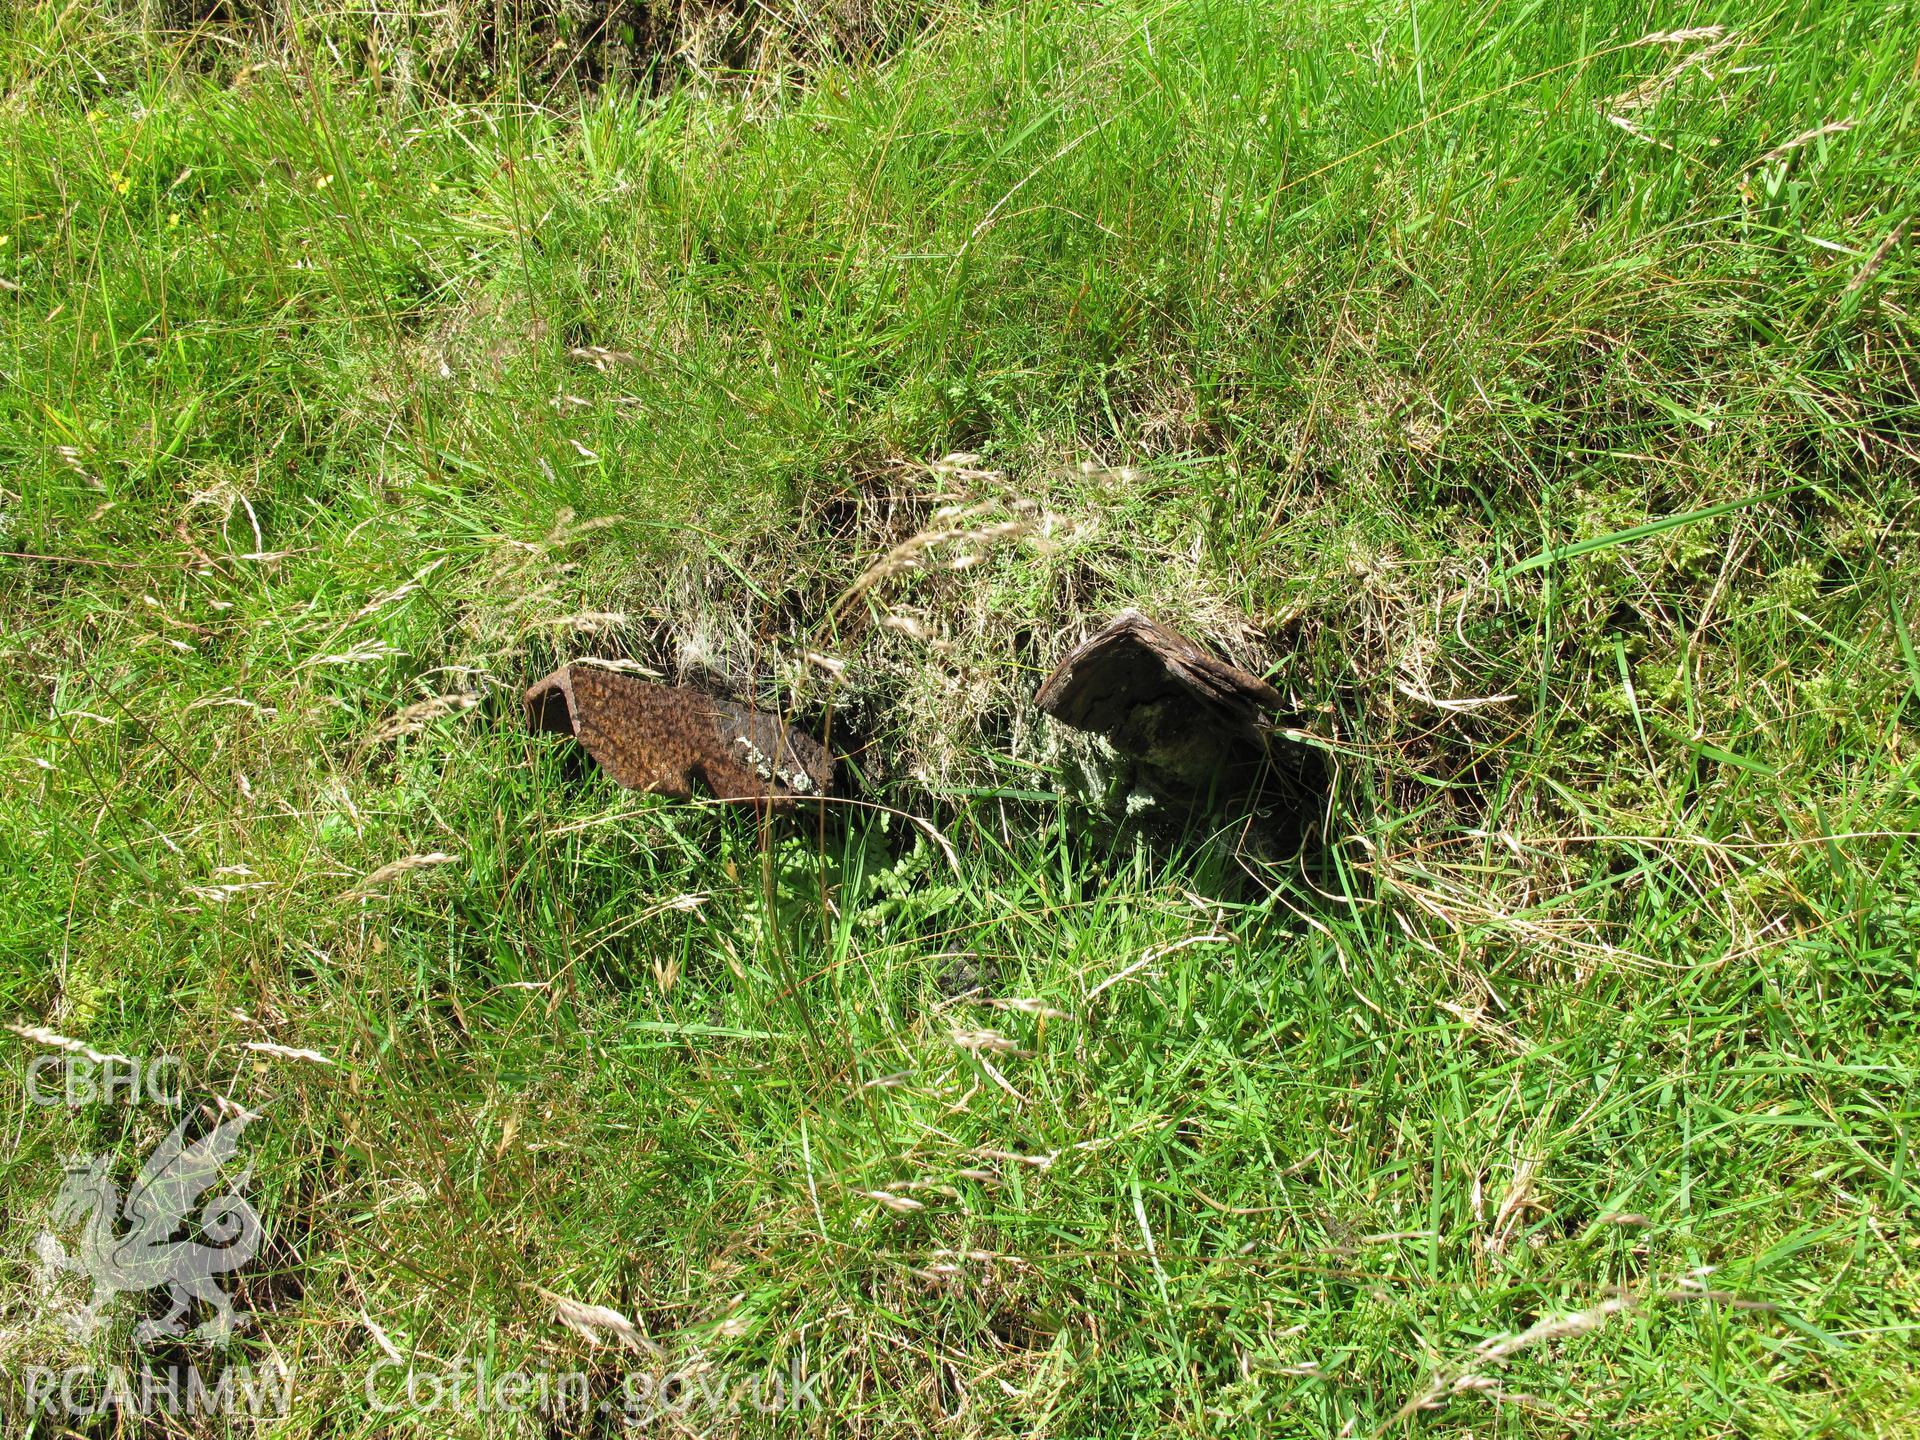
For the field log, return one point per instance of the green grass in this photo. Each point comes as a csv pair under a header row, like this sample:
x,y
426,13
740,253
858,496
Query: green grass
x,y
1417,356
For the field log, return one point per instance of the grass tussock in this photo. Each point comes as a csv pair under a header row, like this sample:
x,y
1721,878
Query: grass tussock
x,y
1530,396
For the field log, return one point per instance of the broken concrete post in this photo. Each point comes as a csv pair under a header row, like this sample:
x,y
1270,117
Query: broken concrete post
x,y
661,738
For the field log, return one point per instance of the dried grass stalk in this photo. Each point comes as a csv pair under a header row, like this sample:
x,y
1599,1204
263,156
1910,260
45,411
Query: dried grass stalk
x,y
961,531
394,870
1467,1377
1875,261
1682,37
588,1321
1806,137
985,1041
53,1040
1648,92
286,1052
418,716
